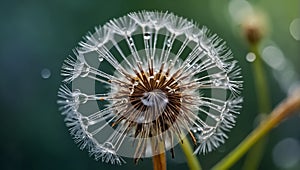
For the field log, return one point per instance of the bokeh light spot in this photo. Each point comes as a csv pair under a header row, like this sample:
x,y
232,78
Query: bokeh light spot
x,y
274,57
239,9
286,153
250,57
45,73
295,29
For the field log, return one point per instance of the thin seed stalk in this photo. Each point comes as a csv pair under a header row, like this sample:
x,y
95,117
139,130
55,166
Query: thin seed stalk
x,y
159,158
282,111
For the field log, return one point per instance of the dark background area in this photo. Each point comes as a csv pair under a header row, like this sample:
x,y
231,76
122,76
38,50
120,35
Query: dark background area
x,y
37,34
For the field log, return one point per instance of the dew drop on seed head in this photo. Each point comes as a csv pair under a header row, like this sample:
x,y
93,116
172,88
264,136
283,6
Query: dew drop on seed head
x,y
147,36
217,82
85,121
124,100
195,66
83,98
108,145
219,108
130,41
136,83
85,72
168,42
100,59
45,73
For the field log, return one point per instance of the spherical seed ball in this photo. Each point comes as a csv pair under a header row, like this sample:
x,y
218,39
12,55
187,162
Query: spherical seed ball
x,y
148,78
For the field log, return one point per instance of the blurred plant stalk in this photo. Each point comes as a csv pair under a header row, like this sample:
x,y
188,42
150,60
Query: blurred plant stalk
x,y
191,158
255,155
280,113
254,29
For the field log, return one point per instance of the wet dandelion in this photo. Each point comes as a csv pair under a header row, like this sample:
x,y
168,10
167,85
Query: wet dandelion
x,y
147,79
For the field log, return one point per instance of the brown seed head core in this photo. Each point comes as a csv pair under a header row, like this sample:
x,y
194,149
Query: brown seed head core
x,y
156,101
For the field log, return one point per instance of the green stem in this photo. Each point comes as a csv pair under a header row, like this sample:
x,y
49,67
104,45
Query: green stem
x,y
254,156
281,112
192,160
261,85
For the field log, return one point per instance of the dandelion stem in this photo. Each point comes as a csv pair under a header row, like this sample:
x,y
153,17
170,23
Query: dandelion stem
x,y
159,157
192,160
282,111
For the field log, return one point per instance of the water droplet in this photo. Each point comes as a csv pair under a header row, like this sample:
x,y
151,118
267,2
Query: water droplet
x,y
85,121
45,73
131,41
147,36
136,83
108,146
83,98
217,82
250,57
100,59
195,67
124,100
85,71
169,42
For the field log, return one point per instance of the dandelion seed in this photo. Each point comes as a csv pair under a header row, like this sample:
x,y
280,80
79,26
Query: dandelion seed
x,y
147,78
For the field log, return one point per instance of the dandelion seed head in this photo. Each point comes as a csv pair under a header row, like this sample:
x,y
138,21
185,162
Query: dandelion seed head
x,y
145,78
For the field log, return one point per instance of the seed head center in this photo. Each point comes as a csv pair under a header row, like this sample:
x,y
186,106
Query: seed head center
x,y
155,97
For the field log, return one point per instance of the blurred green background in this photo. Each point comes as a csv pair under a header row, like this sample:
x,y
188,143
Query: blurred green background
x,y
37,35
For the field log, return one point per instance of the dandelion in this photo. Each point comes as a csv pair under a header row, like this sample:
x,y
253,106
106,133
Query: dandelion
x,y
149,78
